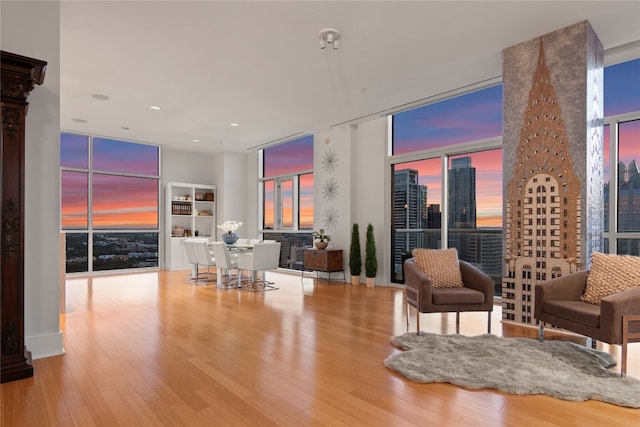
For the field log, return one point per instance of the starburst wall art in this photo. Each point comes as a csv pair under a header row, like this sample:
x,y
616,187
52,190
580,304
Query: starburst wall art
x,y
330,190
330,218
330,160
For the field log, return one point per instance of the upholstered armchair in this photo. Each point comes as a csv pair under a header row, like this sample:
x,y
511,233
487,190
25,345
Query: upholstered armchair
x,y
614,318
474,294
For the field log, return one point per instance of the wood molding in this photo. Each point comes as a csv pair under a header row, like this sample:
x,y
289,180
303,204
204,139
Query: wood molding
x,y
19,76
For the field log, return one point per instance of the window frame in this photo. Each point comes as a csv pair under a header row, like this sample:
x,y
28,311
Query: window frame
x,y
612,235
90,230
294,178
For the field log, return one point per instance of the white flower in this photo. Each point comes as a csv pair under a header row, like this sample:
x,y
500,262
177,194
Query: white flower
x,y
228,226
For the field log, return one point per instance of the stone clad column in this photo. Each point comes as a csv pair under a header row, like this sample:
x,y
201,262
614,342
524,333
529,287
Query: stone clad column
x,y
553,161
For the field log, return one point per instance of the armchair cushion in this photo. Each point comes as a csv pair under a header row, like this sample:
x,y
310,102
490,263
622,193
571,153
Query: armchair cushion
x,y
610,274
455,296
440,266
576,311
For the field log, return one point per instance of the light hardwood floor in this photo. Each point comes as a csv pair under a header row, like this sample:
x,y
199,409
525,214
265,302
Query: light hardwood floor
x,y
154,349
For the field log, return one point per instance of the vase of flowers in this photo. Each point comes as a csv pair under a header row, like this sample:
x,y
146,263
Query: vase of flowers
x,y
230,229
321,240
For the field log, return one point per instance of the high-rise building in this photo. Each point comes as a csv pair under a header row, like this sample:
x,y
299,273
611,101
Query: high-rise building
x,y
434,226
409,213
462,207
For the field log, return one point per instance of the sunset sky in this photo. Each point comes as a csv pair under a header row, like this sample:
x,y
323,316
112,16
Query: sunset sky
x,y
132,203
118,202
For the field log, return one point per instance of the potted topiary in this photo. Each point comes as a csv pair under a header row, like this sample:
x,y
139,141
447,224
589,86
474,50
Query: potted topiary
x,y
355,258
370,259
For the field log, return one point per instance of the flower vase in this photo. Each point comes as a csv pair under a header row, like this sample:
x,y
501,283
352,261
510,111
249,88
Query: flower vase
x,y
230,237
321,244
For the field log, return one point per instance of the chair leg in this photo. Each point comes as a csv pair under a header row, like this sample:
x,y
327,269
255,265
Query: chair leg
x,y
408,316
457,322
625,338
418,321
623,359
489,323
540,331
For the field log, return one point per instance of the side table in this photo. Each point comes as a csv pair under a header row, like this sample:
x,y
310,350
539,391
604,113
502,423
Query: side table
x,y
325,260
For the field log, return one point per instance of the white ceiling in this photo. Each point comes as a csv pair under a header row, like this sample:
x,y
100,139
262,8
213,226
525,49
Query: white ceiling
x,y
259,64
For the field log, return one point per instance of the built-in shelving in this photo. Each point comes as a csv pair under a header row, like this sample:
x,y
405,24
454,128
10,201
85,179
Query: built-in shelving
x,y
191,210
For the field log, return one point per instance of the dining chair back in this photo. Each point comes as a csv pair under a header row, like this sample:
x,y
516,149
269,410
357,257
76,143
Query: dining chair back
x,y
190,250
203,256
225,263
265,256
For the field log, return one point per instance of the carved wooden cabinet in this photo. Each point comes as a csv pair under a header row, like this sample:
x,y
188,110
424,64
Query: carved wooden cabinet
x,y
325,260
19,76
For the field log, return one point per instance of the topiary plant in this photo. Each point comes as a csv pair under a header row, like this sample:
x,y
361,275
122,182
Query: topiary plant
x,y
355,257
370,259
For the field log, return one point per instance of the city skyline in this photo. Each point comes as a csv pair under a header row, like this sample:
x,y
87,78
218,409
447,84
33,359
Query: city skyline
x,y
473,116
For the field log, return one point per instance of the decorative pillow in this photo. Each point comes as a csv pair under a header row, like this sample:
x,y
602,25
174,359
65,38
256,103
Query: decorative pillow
x,y
440,265
610,274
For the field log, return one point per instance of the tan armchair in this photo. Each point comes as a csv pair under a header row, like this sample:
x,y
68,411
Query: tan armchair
x,y
615,321
475,295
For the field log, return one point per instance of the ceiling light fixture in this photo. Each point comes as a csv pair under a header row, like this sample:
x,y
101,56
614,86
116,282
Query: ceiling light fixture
x,y
329,36
196,140
234,124
154,107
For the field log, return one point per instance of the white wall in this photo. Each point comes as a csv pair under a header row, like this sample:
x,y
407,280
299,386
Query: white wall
x,y
232,172
32,29
252,225
371,189
336,142
181,166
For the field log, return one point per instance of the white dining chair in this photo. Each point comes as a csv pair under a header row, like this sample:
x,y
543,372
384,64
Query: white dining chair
x,y
264,256
204,257
225,263
190,250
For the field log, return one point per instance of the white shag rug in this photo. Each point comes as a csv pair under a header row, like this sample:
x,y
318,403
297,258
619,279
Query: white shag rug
x,y
561,369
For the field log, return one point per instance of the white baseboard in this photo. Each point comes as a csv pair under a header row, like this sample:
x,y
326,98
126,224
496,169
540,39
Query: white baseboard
x,y
42,346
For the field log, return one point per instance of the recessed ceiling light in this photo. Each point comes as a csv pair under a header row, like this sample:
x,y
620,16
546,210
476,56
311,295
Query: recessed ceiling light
x,y
154,107
100,96
234,124
196,140
79,120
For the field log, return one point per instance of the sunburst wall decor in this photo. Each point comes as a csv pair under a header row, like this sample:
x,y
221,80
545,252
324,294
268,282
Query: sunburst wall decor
x,y
330,189
330,218
330,160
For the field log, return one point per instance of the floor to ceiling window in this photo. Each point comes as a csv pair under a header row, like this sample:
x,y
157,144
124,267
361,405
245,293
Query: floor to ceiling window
x,y
621,158
447,180
451,151
109,203
286,180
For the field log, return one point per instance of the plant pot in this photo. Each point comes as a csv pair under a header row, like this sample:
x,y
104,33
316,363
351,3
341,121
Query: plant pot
x,y
355,280
321,245
371,282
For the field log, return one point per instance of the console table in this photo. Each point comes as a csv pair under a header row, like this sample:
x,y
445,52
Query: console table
x,y
325,260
